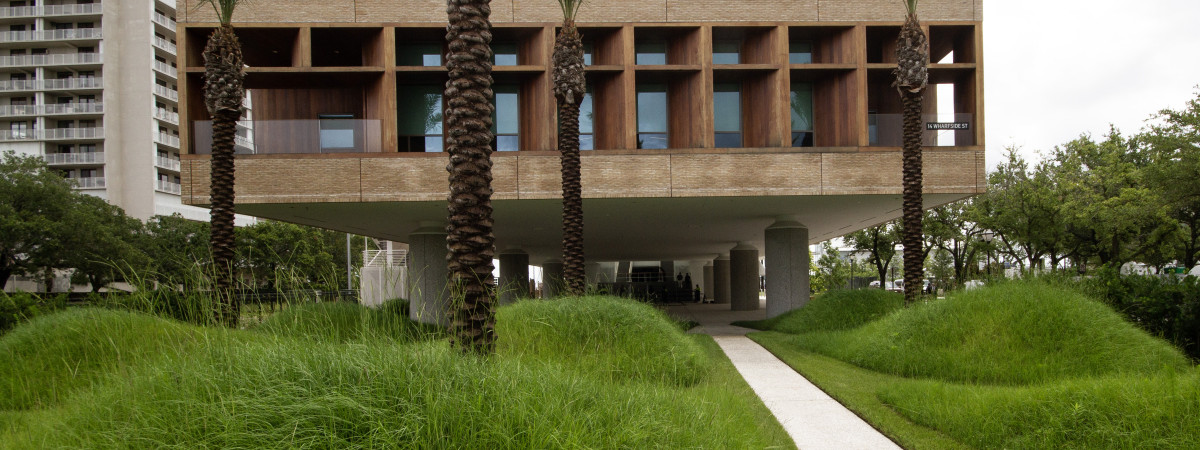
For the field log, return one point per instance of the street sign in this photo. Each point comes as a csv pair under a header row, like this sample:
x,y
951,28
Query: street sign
x,y
947,125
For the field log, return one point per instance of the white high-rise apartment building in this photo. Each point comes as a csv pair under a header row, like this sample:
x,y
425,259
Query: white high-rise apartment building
x,y
92,86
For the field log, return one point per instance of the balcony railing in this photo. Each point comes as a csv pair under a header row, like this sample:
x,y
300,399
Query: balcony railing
x,y
166,69
57,59
385,258
75,158
51,84
938,130
50,35
167,186
166,163
89,182
164,44
170,117
52,109
298,136
165,21
166,92
52,134
50,10
167,140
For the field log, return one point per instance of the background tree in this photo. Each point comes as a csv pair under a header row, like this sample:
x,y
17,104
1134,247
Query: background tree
x,y
1173,145
179,246
568,92
912,76
283,256
224,75
469,100
1024,209
101,243
956,235
880,244
33,204
830,270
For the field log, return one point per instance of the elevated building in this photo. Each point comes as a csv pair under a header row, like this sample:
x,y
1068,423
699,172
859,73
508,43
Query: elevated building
x,y
716,131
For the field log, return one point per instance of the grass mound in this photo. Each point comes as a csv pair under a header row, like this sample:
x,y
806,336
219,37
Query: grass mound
x,y
303,393
52,355
613,338
344,322
1157,411
1013,333
834,310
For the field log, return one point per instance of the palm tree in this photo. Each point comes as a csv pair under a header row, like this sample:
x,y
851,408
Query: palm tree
x,y
224,74
568,91
912,75
470,241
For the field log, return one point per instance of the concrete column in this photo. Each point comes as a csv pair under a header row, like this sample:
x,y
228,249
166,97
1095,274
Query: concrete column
x,y
593,273
428,296
623,268
668,270
552,279
708,281
696,270
743,277
787,267
514,276
721,280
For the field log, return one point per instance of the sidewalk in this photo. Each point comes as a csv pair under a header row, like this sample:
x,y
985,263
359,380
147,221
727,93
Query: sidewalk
x,y
813,419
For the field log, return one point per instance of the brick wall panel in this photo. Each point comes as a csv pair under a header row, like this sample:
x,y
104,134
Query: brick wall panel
x,y
746,174
298,180
604,11
893,10
745,10
617,176
949,172
539,177
271,11
397,179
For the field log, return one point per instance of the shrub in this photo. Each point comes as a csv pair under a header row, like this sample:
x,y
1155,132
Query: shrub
x,y
610,337
21,306
1168,307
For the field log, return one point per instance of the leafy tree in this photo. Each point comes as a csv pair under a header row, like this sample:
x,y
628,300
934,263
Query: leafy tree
x,y
280,255
831,271
33,204
956,234
472,245
568,92
224,75
880,243
1024,208
179,247
101,242
1173,145
912,76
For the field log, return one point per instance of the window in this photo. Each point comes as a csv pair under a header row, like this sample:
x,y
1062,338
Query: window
x,y
505,120
504,54
420,118
651,53
586,131
337,132
588,51
19,130
727,52
802,114
419,54
652,115
727,115
800,52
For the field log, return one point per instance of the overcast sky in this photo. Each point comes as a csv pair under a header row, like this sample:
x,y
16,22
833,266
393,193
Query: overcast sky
x,y
1056,68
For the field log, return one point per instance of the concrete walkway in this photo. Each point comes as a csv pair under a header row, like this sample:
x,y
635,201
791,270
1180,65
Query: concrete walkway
x,y
812,418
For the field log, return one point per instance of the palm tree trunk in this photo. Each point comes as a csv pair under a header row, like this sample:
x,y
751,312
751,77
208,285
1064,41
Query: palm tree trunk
x,y
470,241
914,264
569,91
223,93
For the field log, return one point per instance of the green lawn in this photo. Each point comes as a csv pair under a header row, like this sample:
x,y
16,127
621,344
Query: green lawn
x,y
1021,365
618,375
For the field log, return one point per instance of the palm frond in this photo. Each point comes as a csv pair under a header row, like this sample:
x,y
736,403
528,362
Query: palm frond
x,y
910,5
570,8
224,8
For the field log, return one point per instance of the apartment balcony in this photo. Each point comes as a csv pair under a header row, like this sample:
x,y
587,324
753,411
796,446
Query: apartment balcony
x,y
54,84
88,182
167,140
170,117
59,59
74,159
164,21
166,69
78,34
19,12
70,134
19,110
167,187
166,163
164,45
60,109
166,92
